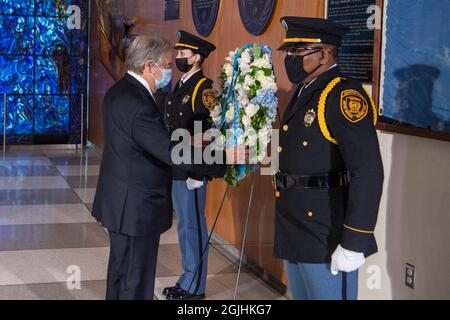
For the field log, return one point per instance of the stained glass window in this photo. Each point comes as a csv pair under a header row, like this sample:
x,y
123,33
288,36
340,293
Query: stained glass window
x,y
43,69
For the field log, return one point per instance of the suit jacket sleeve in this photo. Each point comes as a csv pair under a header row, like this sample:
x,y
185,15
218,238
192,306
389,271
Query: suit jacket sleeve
x,y
151,135
359,147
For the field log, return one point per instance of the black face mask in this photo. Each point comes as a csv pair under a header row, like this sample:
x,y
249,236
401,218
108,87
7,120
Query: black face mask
x,y
295,68
183,64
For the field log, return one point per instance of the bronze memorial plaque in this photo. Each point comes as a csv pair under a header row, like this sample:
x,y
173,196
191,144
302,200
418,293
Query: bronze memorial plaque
x,y
256,14
204,13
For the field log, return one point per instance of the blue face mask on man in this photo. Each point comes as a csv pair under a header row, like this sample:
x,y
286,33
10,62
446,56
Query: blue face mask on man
x,y
165,79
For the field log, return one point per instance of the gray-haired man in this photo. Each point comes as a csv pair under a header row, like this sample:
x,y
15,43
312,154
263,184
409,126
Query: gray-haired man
x,y
132,198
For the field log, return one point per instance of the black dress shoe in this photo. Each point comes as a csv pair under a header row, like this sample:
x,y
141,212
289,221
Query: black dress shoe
x,y
181,294
168,290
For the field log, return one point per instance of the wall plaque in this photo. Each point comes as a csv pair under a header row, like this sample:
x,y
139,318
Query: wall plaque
x,y
256,14
171,10
204,13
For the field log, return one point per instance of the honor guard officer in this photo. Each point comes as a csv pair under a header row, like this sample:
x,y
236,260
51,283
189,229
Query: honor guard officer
x,y
331,173
191,101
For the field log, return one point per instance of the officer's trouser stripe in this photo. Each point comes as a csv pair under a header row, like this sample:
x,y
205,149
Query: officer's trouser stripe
x,y
344,285
200,245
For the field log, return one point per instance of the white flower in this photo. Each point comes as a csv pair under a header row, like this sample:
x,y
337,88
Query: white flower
x,y
251,110
264,134
246,121
243,98
269,83
217,111
245,57
231,56
229,115
228,68
248,82
245,68
261,63
260,76
261,156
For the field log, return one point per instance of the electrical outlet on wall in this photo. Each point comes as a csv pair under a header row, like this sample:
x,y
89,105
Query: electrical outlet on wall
x,y
410,275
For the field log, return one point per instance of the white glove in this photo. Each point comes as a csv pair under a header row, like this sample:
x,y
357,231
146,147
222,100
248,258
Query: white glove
x,y
346,260
193,184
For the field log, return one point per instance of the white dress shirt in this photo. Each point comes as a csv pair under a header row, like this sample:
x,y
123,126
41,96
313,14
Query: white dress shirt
x,y
183,80
307,85
143,81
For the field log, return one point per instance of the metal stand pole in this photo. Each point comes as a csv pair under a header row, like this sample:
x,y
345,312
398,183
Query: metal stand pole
x,y
82,122
4,124
250,200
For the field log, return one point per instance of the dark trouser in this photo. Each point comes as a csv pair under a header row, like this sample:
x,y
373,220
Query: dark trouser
x,y
132,267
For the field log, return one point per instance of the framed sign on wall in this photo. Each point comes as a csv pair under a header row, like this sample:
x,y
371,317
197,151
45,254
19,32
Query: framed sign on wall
x,y
171,10
414,54
356,52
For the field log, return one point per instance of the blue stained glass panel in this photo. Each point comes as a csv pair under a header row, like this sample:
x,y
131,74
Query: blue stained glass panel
x,y
18,7
56,8
49,33
17,35
16,74
19,116
46,76
78,76
36,41
51,115
78,41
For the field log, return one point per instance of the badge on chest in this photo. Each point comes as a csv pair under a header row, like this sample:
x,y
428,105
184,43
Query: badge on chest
x,y
310,116
185,99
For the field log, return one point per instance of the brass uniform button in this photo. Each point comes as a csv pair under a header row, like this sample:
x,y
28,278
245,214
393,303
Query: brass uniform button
x,y
305,143
169,103
310,214
168,115
277,194
285,127
280,149
181,113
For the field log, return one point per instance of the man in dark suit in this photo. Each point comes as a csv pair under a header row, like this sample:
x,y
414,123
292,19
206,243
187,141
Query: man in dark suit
x,y
132,197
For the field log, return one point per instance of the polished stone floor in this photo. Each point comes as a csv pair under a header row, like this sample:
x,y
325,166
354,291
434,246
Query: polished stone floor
x,y
49,241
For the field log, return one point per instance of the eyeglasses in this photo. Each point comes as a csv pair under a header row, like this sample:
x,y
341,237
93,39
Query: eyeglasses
x,y
300,51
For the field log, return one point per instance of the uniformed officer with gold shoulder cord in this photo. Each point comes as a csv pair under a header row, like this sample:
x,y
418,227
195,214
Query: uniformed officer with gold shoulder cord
x,y
190,101
330,178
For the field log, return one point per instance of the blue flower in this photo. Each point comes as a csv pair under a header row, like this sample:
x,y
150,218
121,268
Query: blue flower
x,y
267,99
267,50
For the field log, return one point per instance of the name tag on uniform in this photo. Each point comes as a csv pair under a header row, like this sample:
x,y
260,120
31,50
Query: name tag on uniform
x,y
185,99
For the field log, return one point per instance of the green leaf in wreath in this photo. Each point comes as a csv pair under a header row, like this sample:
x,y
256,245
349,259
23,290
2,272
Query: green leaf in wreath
x,y
267,72
257,51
